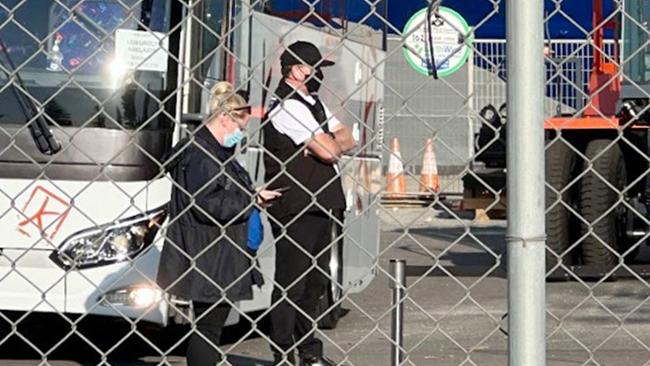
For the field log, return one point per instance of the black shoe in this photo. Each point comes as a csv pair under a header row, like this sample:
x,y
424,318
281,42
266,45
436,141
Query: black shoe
x,y
278,360
317,361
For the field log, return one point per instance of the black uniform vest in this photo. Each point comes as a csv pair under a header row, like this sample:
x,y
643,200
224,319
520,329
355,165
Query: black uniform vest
x,y
310,180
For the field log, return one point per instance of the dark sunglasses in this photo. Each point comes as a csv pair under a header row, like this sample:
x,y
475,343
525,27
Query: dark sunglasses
x,y
247,109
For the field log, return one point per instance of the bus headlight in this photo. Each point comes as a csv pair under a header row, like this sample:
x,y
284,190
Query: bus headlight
x,y
137,297
109,243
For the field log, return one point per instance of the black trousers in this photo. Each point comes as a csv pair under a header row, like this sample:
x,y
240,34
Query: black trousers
x,y
310,235
202,345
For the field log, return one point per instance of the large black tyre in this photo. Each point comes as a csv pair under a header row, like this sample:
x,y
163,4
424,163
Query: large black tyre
x,y
334,291
560,165
596,198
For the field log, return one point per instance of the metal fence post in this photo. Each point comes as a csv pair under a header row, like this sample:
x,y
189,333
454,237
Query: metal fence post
x,y
397,270
525,183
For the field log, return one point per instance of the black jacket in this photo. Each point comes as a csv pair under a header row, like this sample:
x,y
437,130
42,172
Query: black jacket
x,y
212,232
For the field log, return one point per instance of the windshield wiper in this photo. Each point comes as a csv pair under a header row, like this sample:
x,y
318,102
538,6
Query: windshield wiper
x,y
38,127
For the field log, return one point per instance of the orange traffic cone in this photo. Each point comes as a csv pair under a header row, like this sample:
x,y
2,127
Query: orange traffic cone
x,y
395,185
429,175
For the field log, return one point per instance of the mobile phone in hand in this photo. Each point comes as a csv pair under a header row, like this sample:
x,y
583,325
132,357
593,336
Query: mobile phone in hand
x,y
281,189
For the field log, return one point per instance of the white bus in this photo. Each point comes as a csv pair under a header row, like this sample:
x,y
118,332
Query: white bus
x,y
116,87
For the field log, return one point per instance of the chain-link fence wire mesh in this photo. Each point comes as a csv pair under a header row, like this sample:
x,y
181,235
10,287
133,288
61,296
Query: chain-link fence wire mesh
x,y
568,67
594,175
434,104
110,81
120,82
116,82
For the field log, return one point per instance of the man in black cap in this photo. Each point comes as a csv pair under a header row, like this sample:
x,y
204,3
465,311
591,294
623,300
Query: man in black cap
x,y
303,142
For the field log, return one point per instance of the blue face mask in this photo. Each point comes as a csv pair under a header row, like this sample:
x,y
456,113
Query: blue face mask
x,y
233,138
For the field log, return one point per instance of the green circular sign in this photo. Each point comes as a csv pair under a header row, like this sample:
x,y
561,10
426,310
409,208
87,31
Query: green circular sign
x,y
449,36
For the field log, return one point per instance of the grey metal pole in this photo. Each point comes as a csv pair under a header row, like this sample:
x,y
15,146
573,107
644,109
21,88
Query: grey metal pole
x,y
525,183
397,270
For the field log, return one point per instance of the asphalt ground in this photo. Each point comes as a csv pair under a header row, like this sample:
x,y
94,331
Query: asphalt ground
x,y
456,316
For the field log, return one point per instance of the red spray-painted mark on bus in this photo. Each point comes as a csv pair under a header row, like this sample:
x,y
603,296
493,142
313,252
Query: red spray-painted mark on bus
x,y
44,214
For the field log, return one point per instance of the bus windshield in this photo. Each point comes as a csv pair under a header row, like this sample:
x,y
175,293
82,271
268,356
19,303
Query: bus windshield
x,y
94,63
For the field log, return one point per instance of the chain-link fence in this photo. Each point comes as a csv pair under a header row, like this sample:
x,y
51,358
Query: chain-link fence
x,y
568,67
144,203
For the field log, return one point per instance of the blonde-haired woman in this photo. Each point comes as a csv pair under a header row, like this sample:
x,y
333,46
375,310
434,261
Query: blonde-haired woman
x,y
206,257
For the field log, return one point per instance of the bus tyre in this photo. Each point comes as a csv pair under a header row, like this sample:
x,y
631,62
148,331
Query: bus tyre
x,y
329,301
560,164
597,198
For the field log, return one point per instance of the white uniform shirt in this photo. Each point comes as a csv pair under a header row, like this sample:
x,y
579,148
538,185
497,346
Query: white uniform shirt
x,y
294,119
